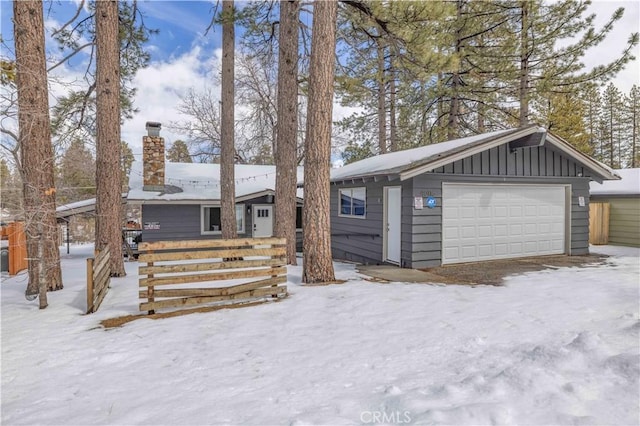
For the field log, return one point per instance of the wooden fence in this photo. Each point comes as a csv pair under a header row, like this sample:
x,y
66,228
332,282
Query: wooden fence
x,y
14,233
599,223
98,278
252,268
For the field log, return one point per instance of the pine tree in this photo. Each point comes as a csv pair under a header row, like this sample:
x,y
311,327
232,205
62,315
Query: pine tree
x,y
565,117
179,153
108,142
610,124
318,264
286,138
77,173
126,160
227,166
36,151
549,65
591,98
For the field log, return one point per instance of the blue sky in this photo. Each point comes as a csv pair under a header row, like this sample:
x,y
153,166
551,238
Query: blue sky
x,y
184,58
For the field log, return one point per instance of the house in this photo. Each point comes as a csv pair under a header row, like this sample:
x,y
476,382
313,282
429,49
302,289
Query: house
x,y
181,201
623,197
506,194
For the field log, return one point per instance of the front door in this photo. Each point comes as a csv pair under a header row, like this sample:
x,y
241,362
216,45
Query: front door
x,y
262,220
393,211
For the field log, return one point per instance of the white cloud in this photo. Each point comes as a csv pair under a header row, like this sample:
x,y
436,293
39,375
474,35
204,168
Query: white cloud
x,y
160,87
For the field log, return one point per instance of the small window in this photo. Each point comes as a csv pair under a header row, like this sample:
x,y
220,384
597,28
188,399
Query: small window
x,y
299,217
353,202
211,221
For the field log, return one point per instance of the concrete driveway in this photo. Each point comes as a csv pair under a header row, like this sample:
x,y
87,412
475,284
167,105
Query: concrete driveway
x,y
476,273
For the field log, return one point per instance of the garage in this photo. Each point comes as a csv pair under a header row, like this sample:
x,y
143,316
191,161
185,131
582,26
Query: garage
x,y
511,193
496,221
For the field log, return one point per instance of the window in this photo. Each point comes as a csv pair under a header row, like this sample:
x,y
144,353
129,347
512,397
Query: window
x,y
353,202
211,223
299,218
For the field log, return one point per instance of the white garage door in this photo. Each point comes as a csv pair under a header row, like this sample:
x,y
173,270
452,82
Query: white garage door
x,y
482,222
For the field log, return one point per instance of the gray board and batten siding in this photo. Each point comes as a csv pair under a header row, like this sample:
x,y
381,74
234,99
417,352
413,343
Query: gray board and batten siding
x,y
361,239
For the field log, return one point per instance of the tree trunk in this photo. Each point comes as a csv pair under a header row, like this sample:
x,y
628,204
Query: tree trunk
x,y
35,148
393,135
382,110
454,107
318,265
227,146
108,145
481,112
287,127
524,64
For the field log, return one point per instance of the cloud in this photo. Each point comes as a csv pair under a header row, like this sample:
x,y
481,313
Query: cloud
x,y
160,87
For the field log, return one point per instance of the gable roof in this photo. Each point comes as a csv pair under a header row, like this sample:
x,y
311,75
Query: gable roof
x,y
200,182
628,185
412,162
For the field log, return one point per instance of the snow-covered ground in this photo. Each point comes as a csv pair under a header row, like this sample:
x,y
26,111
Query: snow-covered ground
x,y
552,347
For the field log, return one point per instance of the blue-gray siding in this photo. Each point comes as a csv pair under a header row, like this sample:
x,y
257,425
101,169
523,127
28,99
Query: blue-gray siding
x,y
422,228
183,222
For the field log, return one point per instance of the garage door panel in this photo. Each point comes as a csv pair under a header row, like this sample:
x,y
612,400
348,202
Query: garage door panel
x,y
483,222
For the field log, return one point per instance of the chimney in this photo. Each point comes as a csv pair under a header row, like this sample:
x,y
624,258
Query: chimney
x,y
153,158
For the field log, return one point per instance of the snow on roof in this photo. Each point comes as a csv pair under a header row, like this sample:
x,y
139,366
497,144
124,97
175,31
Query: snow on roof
x,y
629,184
201,182
396,162
83,206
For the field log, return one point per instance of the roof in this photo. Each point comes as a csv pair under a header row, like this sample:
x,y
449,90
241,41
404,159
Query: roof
x,y
200,182
412,162
79,207
628,185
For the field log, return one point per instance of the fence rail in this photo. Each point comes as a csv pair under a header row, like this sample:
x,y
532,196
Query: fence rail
x,y
98,279
244,269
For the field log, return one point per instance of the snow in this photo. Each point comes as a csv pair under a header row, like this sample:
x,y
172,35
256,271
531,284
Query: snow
x,y
201,182
629,184
395,162
559,346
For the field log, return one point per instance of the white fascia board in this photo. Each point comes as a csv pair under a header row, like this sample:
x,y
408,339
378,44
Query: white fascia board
x,y
408,174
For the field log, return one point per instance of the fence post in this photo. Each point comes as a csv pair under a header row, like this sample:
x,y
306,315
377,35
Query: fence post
x,y
89,285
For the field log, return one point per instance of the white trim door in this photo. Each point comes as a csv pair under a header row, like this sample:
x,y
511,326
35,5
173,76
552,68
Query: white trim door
x,y
502,221
262,220
392,220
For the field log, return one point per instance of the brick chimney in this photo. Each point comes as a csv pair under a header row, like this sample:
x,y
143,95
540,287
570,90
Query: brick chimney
x,y
153,158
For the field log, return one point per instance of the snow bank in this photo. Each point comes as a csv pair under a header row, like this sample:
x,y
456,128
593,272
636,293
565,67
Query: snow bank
x,y
551,347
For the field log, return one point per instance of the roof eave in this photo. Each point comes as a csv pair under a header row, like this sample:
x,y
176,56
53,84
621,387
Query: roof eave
x,y
605,172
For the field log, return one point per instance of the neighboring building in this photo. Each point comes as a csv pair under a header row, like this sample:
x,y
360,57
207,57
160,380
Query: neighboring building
x,y
623,197
506,194
181,201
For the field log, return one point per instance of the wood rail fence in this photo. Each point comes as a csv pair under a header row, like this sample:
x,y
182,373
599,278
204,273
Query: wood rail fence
x,y
251,268
98,279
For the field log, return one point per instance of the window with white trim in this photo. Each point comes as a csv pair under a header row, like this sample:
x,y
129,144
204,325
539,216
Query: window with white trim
x,y
352,202
211,222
